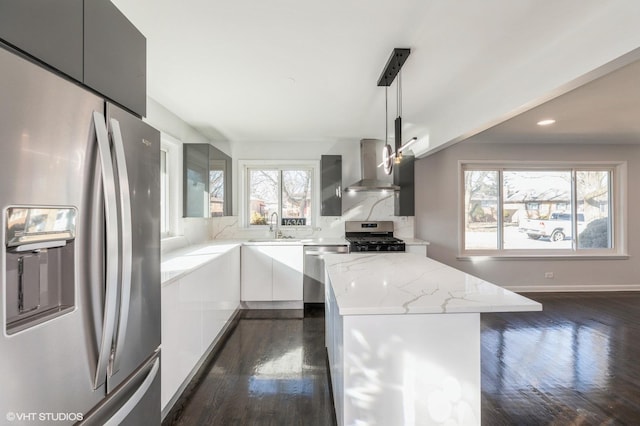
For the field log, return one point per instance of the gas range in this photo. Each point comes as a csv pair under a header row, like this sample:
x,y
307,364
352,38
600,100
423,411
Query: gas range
x,y
372,236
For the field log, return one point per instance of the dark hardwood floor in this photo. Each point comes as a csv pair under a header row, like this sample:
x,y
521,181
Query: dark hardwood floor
x,y
271,371
575,363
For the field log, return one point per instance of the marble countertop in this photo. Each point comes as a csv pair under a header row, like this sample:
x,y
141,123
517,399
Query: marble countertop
x,y
296,241
177,263
326,241
405,283
414,242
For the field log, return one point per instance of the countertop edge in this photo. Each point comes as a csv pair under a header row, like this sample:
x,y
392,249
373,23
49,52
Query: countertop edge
x,y
380,272
191,252
476,310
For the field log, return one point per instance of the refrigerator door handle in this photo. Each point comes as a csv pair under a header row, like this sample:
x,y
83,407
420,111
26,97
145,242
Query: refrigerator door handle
x,y
126,243
111,261
128,406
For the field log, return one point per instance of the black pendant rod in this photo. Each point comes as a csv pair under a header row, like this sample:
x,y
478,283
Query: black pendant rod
x,y
398,122
391,69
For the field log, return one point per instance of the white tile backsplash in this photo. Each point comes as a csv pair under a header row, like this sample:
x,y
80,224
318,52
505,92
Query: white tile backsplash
x,y
196,230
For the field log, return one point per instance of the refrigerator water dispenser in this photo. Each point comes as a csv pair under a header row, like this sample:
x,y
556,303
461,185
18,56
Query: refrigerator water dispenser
x,y
39,265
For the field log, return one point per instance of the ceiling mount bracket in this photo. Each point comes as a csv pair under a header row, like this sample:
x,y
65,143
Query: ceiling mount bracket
x,y
392,68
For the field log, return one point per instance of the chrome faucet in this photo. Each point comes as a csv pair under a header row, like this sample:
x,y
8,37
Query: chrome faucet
x,y
276,233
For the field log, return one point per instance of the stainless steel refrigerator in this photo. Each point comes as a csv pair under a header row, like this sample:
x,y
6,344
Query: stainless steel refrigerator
x,y
80,300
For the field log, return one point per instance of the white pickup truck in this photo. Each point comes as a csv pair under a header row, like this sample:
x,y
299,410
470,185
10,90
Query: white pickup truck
x,y
556,228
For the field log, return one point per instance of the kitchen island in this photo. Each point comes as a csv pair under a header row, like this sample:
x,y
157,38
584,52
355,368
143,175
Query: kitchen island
x,y
403,338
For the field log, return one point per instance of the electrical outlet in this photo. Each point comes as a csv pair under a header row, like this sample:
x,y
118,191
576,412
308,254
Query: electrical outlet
x,y
548,275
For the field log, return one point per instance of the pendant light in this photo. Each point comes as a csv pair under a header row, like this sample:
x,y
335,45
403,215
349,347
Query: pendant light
x,y
391,69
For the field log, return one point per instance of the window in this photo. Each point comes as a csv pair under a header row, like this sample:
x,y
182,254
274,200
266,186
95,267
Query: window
x,y
170,187
285,191
542,209
216,187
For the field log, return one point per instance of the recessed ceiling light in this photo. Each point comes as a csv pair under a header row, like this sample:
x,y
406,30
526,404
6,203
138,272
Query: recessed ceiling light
x,y
546,122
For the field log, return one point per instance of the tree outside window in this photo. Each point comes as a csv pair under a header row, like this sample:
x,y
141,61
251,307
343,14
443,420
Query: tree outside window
x,y
284,191
534,209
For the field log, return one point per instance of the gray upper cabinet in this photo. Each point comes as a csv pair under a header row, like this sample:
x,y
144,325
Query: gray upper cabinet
x,y
91,41
115,56
195,181
403,176
331,184
206,181
50,31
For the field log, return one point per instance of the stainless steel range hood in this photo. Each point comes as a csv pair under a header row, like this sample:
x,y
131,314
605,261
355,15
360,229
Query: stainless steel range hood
x,y
369,170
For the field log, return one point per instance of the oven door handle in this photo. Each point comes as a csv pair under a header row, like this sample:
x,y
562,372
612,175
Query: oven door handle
x,y
333,250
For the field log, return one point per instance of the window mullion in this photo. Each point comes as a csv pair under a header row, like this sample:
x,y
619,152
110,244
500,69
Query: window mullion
x,y
280,190
611,212
247,195
574,210
500,222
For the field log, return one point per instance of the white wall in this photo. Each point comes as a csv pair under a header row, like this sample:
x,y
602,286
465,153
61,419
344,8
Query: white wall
x,y
361,206
194,230
436,218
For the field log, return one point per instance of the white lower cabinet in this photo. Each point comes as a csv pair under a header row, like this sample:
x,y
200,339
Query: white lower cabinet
x,y
271,273
419,249
180,339
255,275
195,309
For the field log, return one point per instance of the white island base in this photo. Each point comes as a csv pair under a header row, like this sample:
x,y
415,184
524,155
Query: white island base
x,y
403,339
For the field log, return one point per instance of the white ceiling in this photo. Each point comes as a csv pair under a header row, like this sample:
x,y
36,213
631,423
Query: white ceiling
x,y
605,109
296,71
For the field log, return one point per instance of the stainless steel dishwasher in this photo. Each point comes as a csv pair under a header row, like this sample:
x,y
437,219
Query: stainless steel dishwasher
x,y
313,283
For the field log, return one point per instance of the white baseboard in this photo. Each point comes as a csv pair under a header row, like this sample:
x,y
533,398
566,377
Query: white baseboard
x,y
572,288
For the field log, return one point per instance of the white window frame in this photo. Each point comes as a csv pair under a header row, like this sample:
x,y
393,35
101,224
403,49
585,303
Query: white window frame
x,y
164,181
173,149
618,209
243,169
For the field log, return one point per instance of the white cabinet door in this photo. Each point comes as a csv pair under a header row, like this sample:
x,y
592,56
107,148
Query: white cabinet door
x,y
256,275
271,273
417,249
287,272
194,311
171,333
181,336
229,292
210,279
220,293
